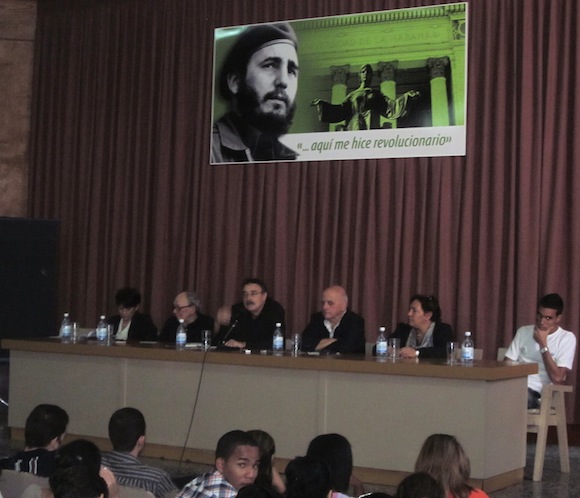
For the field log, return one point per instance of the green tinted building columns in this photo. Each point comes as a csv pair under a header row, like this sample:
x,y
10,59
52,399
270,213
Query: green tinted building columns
x,y
387,73
439,100
339,77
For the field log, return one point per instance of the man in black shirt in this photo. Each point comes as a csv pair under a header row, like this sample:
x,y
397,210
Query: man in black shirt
x,y
250,324
43,434
186,306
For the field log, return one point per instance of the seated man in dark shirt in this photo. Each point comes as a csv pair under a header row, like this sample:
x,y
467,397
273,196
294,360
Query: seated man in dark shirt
x,y
186,305
43,434
335,329
251,323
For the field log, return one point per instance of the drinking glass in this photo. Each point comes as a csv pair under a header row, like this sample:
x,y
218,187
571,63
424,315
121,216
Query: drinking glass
x,y
393,345
452,348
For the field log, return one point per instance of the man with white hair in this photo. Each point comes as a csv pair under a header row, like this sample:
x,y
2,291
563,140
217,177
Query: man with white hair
x,y
186,306
335,329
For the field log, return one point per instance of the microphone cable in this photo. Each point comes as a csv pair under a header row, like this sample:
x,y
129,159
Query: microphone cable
x,y
196,399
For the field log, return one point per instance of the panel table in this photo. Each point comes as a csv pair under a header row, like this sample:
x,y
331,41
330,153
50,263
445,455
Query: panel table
x,y
190,398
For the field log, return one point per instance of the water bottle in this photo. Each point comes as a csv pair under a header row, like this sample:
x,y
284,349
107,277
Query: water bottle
x,y
278,339
102,330
181,335
66,327
467,349
381,343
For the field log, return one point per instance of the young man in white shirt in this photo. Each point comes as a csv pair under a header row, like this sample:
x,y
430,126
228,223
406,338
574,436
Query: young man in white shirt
x,y
547,344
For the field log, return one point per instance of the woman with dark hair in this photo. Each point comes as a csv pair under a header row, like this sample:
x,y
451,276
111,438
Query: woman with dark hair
x,y
267,476
443,458
424,335
308,477
336,451
130,324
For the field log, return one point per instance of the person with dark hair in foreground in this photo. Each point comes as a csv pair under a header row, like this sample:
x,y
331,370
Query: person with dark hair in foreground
x,y
268,476
443,458
547,344
43,434
78,453
308,477
237,458
336,451
424,335
259,79
419,485
77,482
257,491
127,434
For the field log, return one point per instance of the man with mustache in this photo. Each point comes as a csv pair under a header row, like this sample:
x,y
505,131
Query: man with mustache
x,y
259,78
250,324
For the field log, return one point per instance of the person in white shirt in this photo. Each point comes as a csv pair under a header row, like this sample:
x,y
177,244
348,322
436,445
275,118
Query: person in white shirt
x,y
547,344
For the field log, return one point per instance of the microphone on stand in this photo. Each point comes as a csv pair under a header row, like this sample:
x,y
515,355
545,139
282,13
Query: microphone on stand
x,y
233,325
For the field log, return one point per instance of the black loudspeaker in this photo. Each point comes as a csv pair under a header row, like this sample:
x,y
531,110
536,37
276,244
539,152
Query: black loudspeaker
x,y
28,277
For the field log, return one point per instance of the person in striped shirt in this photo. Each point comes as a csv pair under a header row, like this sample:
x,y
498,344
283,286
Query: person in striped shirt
x,y
127,434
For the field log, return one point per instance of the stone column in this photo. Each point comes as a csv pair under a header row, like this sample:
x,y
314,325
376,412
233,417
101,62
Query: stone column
x,y
439,100
339,77
387,72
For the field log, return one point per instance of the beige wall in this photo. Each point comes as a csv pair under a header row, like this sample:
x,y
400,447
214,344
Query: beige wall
x,y
17,28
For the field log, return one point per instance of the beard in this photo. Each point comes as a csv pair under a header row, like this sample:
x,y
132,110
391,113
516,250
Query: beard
x,y
269,124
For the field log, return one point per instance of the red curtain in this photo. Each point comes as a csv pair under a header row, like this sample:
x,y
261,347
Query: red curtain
x,y
120,153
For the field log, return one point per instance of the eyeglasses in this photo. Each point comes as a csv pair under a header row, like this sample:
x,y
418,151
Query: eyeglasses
x,y
252,293
539,316
179,308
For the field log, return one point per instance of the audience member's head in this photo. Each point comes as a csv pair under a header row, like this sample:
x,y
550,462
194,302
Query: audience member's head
x,y
267,449
257,491
419,485
127,429
79,452
443,458
237,458
77,482
336,451
308,477
45,427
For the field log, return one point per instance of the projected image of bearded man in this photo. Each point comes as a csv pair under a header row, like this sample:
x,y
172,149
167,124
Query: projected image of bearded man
x,y
262,93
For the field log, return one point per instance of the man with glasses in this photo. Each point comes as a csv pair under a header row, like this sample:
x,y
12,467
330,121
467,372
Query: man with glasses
x,y
186,305
547,344
250,323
